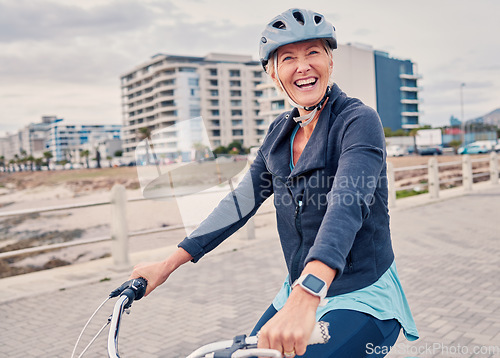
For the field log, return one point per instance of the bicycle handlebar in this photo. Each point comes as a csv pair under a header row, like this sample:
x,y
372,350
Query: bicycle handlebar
x,y
130,291
239,347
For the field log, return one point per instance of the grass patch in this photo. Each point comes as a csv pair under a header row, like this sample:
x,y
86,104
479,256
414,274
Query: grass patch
x,y
407,193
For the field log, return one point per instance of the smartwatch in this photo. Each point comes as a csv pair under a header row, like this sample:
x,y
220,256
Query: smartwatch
x,y
314,285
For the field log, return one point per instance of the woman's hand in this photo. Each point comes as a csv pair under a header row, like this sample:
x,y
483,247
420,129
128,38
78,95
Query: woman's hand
x,y
157,272
154,272
290,329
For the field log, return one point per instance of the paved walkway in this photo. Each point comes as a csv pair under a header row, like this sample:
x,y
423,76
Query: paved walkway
x,y
448,257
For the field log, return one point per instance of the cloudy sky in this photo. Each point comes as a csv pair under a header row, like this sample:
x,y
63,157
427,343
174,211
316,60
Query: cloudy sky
x,y
65,58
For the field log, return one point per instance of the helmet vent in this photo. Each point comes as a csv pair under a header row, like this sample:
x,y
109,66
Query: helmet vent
x,y
299,17
318,19
279,25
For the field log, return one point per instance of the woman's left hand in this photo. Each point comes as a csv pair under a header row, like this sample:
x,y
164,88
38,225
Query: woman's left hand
x,y
290,328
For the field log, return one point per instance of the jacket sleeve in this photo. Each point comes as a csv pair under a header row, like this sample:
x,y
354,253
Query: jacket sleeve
x,y
232,212
360,164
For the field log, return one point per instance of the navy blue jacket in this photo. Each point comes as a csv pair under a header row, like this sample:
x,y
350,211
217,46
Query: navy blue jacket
x,y
331,207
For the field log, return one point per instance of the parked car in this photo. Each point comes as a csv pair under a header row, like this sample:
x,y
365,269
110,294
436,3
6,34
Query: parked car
x,y
497,148
395,151
430,151
478,147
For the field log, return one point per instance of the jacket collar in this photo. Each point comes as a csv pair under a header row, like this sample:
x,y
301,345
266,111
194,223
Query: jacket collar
x,y
277,151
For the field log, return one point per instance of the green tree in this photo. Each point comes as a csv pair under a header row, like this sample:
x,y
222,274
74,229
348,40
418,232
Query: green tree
x,y
31,160
455,144
413,133
220,150
2,162
145,133
47,155
85,153
38,163
118,153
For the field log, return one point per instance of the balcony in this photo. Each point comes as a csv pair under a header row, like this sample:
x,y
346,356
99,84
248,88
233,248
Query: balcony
x,y
410,114
408,76
411,101
410,89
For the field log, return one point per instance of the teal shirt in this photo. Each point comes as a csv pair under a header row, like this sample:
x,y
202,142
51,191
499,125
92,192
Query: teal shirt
x,y
383,300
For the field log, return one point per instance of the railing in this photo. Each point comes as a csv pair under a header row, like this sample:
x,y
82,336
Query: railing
x,y
434,182
120,235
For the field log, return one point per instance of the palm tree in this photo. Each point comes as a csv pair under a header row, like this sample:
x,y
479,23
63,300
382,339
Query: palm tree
x,y
38,163
47,155
31,160
85,153
413,133
145,133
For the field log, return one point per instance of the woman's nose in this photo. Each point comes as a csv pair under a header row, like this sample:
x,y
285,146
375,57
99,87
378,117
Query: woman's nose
x,y
303,65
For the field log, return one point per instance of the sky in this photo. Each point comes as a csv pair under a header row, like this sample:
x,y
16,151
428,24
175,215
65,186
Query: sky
x,y
65,58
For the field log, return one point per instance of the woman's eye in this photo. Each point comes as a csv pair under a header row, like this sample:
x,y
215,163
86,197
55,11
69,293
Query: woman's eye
x,y
313,52
287,58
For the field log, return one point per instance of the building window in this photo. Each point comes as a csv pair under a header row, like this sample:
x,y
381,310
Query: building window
x,y
214,102
258,93
235,93
235,83
259,122
234,73
236,122
237,132
278,104
236,112
213,82
216,133
212,71
235,102
193,82
214,112
214,93
215,122
194,112
260,132
193,92
257,74
187,69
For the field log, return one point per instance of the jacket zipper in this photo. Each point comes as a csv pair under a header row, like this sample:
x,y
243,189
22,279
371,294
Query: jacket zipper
x,y
296,259
294,274
349,261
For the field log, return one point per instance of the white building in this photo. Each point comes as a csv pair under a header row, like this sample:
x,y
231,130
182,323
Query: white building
x,y
66,141
167,90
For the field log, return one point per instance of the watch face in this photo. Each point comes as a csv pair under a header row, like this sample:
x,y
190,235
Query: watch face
x,y
313,283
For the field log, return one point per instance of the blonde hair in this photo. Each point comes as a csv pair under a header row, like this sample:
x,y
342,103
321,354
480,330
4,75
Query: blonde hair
x,y
270,65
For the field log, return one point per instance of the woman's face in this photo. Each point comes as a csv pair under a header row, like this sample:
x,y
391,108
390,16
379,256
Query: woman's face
x,y
304,69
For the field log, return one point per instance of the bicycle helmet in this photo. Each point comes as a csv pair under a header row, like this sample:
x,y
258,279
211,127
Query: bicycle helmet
x,y
295,25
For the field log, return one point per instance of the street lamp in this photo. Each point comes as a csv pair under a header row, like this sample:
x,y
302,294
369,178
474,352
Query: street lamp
x,y
462,85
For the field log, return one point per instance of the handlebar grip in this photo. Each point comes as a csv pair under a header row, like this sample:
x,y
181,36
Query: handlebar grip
x,y
134,289
320,334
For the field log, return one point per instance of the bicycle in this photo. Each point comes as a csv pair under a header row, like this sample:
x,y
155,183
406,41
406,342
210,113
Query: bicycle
x,y
240,346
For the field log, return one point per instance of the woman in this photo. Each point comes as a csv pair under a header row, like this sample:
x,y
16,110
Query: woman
x,y
325,164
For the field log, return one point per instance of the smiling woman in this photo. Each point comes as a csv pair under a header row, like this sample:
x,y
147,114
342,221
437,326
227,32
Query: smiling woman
x,y
324,161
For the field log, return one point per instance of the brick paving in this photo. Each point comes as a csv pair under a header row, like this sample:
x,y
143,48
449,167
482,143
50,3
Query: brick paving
x,y
448,258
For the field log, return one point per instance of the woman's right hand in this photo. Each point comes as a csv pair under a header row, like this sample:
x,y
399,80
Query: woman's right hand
x,y
154,272
157,272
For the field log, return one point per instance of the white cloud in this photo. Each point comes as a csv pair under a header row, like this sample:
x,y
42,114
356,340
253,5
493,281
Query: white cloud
x,y
51,49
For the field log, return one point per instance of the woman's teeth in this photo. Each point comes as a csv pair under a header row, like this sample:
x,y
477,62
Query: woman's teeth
x,y
306,82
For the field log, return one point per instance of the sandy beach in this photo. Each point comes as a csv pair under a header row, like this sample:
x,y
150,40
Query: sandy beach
x,y
36,190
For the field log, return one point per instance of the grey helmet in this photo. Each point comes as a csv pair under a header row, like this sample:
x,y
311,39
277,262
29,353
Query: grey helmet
x,y
295,25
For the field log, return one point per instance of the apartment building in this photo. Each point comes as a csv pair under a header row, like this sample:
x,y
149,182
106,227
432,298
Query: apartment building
x,y
387,84
65,141
167,90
